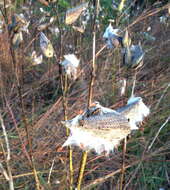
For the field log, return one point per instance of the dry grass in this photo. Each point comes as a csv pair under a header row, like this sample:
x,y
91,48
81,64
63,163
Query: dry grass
x,y
43,106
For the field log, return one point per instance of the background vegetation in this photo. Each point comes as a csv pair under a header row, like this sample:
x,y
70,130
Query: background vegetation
x,y
31,96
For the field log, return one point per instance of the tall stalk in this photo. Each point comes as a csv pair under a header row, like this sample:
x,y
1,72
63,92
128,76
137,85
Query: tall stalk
x,y
90,95
64,86
64,82
17,68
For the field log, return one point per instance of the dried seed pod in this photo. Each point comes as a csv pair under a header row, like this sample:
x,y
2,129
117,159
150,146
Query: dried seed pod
x,y
122,86
73,14
112,37
78,29
126,40
98,128
100,132
133,56
46,46
17,39
70,65
22,23
36,60
135,111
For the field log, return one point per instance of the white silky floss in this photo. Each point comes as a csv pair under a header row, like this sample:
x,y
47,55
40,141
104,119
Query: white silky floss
x,y
135,111
36,60
104,110
88,140
70,65
141,111
110,34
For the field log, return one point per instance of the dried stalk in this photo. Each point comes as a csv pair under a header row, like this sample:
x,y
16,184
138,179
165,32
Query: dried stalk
x,y
67,130
64,86
49,176
24,118
81,172
17,70
4,172
8,157
90,95
123,164
163,94
125,142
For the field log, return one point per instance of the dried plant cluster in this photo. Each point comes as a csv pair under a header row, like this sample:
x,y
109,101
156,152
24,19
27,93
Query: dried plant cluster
x,y
59,57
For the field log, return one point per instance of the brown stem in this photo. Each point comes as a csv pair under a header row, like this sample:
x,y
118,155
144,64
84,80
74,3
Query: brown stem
x,y
123,165
90,95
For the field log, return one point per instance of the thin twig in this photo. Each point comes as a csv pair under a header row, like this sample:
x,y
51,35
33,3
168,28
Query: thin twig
x,y
16,127
8,157
133,176
167,120
49,176
4,172
165,90
134,83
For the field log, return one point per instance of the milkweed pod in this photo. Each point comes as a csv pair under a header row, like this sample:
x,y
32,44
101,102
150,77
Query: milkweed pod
x,y
112,36
122,86
135,111
100,132
17,39
78,29
73,14
70,65
36,60
137,55
46,46
126,39
22,22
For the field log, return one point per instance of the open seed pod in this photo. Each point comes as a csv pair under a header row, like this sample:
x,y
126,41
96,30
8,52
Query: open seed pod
x,y
46,46
112,37
135,111
73,14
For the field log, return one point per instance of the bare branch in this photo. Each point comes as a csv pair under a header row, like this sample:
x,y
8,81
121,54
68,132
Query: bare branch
x,y
11,184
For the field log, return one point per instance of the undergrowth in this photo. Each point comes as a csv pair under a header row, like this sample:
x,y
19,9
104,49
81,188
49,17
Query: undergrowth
x,y
41,94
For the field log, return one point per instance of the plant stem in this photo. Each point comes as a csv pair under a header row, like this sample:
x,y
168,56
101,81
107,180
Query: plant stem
x,y
81,172
93,71
18,75
123,165
90,95
8,157
64,86
71,167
